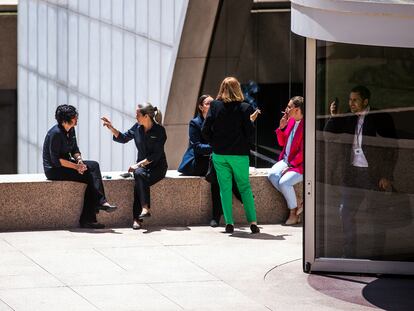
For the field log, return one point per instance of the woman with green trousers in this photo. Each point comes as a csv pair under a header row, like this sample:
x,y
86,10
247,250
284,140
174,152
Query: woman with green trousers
x,y
229,128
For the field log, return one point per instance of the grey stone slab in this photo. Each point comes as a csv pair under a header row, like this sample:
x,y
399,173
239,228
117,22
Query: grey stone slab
x,y
18,271
4,307
242,261
215,295
79,266
6,247
75,239
30,280
156,264
45,299
183,235
128,297
15,263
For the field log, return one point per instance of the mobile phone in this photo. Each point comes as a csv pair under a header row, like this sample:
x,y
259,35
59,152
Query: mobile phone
x,y
336,102
126,175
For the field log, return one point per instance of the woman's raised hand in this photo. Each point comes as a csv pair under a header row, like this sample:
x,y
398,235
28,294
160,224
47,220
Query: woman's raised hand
x,y
283,121
254,115
106,122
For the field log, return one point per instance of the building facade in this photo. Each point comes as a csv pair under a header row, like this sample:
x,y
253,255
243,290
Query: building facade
x,y
101,56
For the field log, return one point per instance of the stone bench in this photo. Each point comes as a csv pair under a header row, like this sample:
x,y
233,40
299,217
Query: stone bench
x,y
30,201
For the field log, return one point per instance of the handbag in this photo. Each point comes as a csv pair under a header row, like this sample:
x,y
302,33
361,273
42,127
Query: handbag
x,y
211,175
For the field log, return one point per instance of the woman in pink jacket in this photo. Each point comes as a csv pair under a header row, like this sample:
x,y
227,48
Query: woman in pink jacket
x,y
289,170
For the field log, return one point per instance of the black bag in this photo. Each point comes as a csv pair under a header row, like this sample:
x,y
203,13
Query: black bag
x,y
211,175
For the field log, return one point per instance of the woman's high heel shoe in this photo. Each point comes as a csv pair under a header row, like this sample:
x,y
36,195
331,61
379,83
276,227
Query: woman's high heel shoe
x,y
292,220
300,209
145,213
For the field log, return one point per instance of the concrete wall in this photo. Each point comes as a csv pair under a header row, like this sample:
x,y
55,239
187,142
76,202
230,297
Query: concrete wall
x,y
8,85
188,74
101,56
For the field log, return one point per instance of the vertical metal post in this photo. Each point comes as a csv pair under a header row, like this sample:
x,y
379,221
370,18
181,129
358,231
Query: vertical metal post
x,y
309,186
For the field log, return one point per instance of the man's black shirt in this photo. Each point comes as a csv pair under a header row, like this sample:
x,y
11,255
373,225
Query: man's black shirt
x,y
58,144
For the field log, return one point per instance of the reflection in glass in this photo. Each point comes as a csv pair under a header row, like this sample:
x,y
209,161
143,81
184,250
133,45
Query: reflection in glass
x,y
364,148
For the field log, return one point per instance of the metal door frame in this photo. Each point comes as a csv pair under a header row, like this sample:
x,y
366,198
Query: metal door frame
x,y
310,262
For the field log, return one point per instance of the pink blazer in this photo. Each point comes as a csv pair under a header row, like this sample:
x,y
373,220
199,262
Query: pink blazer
x,y
295,157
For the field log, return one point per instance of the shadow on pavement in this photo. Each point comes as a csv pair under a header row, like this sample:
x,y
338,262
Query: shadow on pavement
x,y
391,293
257,236
95,231
155,229
387,292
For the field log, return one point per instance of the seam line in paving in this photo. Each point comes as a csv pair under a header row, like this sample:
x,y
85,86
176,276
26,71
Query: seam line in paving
x,y
7,304
221,280
64,284
166,297
84,298
44,269
106,257
11,245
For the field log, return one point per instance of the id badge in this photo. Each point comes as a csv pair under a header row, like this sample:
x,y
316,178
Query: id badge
x,y
358,151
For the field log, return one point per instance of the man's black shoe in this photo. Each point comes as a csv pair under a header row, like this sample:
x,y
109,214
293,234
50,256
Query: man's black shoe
x,y
92,225
254,228
107,208
229,228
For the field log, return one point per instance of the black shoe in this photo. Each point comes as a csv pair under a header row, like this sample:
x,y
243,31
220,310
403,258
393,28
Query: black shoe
x,y
144,214
92,225
107,208
229,228
214,223
254,228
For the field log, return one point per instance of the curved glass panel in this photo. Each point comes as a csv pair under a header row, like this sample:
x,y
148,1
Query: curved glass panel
x,y
364,152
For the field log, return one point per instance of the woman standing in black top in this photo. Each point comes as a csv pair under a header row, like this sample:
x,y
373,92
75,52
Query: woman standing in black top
x,y
62,160
228,128
196,159
150,137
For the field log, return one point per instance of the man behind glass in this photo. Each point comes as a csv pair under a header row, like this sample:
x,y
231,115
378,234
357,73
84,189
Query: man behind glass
x,y
368,155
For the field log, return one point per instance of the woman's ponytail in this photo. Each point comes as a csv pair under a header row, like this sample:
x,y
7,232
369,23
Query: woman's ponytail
x,y
157,116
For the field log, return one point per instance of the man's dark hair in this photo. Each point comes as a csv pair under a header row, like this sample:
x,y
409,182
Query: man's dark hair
x,y
299,102
65,113
362,91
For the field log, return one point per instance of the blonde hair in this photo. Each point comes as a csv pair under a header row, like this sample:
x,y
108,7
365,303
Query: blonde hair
x,y
230,91
154,113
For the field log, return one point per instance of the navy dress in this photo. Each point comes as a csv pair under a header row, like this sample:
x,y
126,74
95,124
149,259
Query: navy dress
x,y
150,146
